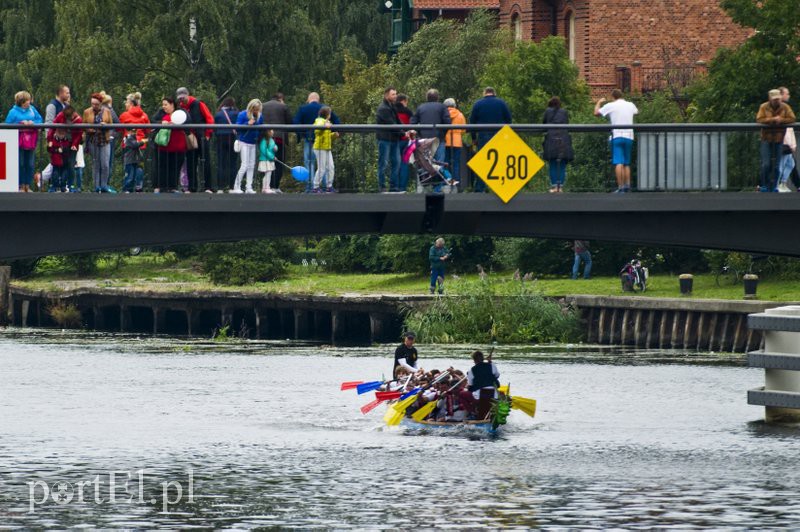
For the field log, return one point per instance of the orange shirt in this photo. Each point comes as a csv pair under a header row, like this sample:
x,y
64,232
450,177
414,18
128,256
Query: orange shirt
x,y
453,138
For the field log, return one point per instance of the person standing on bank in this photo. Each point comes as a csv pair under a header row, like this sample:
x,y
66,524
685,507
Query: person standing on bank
x,y
582,253
388,142
488,110
198,113
277,112
437,256
406,354
557,145
619,111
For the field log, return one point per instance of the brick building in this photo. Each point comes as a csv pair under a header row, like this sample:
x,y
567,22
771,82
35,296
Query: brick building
x,y
637,45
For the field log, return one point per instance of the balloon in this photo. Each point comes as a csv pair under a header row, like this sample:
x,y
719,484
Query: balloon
x,y
179,117
300,173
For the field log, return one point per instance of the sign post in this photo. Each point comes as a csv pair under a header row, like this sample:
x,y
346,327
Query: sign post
x,y
9,160
506,164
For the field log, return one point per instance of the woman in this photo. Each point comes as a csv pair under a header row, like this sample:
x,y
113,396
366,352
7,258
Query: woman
x,y
169,158
248,140
97,142
108,103
454,139
227,114
68,140
134,147
557,145
24,113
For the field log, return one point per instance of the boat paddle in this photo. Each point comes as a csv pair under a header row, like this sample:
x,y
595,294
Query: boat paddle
x,y
396,413
384,396
350,385
523,404
365,387
428,407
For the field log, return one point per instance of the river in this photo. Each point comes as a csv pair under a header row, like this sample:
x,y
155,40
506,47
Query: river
x,y
258,435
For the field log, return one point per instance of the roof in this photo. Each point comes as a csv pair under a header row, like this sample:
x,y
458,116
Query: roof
x,y
456,4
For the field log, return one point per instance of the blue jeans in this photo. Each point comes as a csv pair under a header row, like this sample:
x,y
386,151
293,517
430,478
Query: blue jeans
x,y
558,171
58,182
134,178
78,173
389,155
587,269
770,158
437,276
310,161
26,158
454,161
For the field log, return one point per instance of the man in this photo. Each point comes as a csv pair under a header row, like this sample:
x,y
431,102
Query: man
x,y
488,110
582,253
482,382
306,114
276,111
777,114
619,111
55,106
433,112
198,113
406,354
388,141
437,256
795,175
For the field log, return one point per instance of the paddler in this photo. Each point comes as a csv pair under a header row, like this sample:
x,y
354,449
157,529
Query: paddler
x,y
482,382
406,354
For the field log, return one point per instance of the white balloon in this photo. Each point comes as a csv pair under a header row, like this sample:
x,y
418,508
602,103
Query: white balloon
x,y
179,117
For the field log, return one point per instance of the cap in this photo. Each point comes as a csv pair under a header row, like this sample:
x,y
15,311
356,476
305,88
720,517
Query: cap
x,y
774,93
410,334
450,102
183,91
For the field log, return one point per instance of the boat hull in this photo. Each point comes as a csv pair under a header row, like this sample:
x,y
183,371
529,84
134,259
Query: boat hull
x,y
479,426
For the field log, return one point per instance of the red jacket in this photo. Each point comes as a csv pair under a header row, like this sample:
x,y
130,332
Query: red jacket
x,y
177,139
75,136
135,116
205,114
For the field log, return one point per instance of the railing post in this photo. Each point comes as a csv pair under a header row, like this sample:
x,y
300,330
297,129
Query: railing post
x,y
5,277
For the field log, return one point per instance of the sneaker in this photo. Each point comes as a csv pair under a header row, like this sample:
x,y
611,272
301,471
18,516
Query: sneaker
x,y
277,191
235,191
209,191
762,189
156,191
782,188
618,191
249,191
220,191
331,190
315,191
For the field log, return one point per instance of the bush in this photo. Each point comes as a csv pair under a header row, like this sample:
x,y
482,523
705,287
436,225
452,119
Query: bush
x,y
248,262
345,254
480,313
81,263
65,315
23,267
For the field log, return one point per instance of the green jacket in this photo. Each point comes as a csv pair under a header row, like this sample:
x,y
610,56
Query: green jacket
x,y
434,256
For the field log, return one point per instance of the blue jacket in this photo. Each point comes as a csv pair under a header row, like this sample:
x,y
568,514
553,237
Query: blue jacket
x,y
249,136
489,110
219,118
431,113
306,115
17,114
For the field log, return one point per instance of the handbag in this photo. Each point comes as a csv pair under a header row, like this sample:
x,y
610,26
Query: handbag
x,y
237,146
191,141
27,139
162,137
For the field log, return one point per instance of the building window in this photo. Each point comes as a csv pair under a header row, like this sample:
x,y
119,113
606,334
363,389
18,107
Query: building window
x,y
516,24
570,31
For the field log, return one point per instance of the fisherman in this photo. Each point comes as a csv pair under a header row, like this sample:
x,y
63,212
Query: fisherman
x,y
482,382
437,256
406,354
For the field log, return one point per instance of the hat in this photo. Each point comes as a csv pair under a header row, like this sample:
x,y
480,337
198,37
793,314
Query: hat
x,y
183,91
410,334
774,93
450,102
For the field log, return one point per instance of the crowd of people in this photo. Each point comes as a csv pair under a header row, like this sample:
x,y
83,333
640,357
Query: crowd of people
x,y
459,396
182,157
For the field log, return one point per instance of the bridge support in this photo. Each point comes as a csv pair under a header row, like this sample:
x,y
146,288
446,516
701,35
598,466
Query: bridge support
x,y
5,277
780,359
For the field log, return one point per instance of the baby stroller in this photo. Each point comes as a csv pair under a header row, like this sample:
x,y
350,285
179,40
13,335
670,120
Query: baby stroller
x,y
430,173
634,276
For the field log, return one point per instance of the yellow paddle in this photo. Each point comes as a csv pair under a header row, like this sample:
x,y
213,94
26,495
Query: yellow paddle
x,y
524,404
397,412
428,407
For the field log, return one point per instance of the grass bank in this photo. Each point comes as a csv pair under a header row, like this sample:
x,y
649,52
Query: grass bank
x,y
165,272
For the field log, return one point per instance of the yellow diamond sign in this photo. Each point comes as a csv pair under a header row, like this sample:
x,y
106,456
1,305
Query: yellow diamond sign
x,y
506,164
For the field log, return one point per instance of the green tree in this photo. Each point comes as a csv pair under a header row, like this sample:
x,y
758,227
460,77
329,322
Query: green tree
x,y
247,262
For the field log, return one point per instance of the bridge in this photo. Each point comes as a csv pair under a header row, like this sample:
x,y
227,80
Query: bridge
x,y
44,224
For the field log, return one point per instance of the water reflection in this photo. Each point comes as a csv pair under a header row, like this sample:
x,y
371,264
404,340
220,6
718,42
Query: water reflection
x,y
621,439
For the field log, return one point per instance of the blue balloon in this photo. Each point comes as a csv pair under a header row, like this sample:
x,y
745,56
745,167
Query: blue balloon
x,y
300,173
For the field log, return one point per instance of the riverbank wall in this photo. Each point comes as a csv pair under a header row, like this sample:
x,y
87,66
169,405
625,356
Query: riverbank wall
x,y
643,322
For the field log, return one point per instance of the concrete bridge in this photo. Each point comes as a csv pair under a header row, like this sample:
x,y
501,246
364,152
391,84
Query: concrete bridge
x,y
43,224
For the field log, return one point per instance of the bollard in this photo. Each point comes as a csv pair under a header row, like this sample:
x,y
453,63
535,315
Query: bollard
x,y
686,280
780,359
750,286
5,278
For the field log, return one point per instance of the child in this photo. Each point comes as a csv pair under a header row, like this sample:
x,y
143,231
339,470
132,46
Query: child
x,y
59,144
266,161
322,151
132,157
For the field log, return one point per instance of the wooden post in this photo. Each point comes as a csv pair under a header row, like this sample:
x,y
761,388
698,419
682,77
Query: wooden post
x,y
5,280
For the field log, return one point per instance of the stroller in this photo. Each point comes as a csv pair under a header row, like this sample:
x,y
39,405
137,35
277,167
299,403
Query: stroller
x,y
634,276
430,173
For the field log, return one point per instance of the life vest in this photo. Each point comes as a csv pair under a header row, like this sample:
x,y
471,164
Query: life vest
x,y
55,102
482,377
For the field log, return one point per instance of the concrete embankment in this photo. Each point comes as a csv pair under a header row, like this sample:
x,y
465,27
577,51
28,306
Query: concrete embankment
x,y
696,324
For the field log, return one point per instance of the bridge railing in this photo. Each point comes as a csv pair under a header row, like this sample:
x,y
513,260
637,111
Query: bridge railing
x,y
666,157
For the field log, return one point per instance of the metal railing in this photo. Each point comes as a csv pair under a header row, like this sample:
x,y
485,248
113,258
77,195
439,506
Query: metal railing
x,y
668,157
